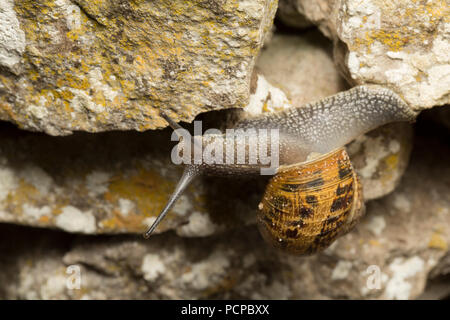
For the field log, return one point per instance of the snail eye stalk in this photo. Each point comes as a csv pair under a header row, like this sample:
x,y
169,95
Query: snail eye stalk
x,y
190,172
171,122
188,175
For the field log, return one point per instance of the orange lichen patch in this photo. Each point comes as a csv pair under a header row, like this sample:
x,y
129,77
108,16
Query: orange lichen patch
x,y
374,243
24,193
392,161
131,223
420,76
28,194
437,241
389,168
58,207
8,110
146,188
394,40
145,51
44,219
402,25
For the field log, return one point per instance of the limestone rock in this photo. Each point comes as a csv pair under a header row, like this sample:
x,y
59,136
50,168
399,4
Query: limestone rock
x,y
114,182
108,65
400,44
438,285
290,15
380,158
300,66
303,14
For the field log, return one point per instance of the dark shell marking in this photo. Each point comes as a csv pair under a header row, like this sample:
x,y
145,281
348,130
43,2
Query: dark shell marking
x,y
319,203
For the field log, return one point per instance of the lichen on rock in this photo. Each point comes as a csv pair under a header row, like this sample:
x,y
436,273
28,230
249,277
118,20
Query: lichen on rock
x,y
400,44
105,65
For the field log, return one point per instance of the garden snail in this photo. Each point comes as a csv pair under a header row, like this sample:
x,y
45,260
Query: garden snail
x,y
315,195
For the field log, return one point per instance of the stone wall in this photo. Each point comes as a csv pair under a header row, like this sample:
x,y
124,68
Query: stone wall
x,y
82,176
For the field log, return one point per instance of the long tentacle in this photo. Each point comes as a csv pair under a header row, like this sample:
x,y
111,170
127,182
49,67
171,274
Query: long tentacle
x,y
190,172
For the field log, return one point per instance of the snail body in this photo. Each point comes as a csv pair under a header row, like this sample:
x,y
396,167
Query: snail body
x,y
315,195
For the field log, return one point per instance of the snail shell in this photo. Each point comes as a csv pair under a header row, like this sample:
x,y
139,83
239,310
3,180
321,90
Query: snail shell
x,y
307,206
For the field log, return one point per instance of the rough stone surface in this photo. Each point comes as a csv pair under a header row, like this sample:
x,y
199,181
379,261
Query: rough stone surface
x,y
303,14
301,67
380,158
404,239
104,65
113,182
291,15
400,44
438,284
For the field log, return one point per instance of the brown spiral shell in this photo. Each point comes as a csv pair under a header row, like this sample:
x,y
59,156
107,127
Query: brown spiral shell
x,y
307,206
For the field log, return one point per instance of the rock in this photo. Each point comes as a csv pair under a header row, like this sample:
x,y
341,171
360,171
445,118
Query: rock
x,y
115,182
438,285
300,66
380,158
401,242
303,14
290,15
112,65
403,45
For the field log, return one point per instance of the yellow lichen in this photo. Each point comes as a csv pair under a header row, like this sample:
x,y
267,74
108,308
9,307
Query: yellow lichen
x,y
146,188
437,241
402,26
374,243
150,59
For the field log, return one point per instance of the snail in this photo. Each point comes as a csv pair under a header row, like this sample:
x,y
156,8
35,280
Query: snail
x,y
315,195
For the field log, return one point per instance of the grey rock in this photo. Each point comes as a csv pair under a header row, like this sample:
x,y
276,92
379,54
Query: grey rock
x,y
403,45
107,65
